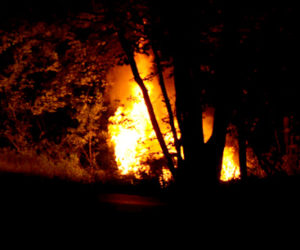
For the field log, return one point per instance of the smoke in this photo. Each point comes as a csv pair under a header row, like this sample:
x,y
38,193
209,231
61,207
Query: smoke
x,y
120,81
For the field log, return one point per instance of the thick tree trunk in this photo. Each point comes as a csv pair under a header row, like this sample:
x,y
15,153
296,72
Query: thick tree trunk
x,y
227,84
189,114
216,143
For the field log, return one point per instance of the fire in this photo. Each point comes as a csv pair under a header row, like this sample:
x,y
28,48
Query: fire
x,y
165,177
230,170
131,130
230,166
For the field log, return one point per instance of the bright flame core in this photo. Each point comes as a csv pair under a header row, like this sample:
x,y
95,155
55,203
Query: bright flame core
x,y
230,169
130,128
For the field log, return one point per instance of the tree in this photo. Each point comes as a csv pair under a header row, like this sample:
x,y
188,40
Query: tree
x,y
53,88
137,32
186,45
220,53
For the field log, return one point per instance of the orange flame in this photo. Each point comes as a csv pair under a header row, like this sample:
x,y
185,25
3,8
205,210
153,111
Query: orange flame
x,y
230,165
131,131
130,128
230,169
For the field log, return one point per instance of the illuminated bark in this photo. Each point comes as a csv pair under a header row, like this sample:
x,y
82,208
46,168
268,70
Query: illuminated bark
x,y
130,56
168,104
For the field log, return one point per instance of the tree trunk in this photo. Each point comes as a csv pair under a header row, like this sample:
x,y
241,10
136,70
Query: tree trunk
x,y
216,143
242,151
189,115
168,104
227,83
90,152
130,56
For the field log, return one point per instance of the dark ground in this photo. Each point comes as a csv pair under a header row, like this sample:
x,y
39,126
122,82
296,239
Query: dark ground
x,y
253,210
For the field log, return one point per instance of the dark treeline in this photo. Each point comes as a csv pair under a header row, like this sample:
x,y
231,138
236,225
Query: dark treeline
x,y
236,57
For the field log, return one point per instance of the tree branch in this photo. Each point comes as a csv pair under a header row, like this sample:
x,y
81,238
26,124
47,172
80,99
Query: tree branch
x,y
130,56
167,101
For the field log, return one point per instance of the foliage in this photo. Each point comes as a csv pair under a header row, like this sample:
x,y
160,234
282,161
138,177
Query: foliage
x,y
29,162
52,76
52,81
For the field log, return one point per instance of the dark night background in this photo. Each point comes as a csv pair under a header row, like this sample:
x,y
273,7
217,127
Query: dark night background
x,y
240,58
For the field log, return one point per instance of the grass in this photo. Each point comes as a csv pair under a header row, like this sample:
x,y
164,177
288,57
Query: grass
x,y
31,163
